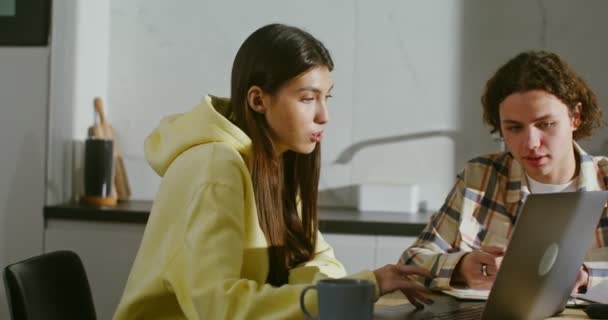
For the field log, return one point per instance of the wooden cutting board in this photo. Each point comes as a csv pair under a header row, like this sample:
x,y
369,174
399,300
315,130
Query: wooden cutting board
x,y
102,129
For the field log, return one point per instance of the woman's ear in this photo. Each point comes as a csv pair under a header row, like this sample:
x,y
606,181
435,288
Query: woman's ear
x,y
255,99
576,116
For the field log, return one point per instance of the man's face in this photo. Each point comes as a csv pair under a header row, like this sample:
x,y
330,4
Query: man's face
x,y
537,128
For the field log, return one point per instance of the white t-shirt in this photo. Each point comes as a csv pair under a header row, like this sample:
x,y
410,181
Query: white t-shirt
x,y
539,187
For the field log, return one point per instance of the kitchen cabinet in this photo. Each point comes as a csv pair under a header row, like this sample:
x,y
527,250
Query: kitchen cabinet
x,y
107,251
390,248
356,252
359,252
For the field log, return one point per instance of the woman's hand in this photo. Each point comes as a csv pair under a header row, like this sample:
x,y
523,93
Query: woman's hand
x,y
393,277
477,269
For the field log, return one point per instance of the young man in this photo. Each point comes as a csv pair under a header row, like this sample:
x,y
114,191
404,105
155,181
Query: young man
x,y
540,107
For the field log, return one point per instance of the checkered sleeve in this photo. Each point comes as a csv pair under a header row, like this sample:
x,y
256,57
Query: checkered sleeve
x,y
596,260
435,247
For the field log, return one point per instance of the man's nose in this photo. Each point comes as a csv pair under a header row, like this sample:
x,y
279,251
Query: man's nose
x,y
532,138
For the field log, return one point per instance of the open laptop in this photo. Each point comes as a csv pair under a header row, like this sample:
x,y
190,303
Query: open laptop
x,y
539,269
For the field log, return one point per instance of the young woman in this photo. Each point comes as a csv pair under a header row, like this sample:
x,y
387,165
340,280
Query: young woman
x,y
233,233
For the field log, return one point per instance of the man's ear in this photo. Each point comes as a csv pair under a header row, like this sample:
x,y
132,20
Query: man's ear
x,y
576,115
255,99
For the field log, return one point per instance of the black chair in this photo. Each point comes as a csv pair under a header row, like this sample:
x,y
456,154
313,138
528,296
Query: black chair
x,y
50,286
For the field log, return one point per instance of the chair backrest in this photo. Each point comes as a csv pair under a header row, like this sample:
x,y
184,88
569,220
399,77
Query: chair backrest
x,y
49,286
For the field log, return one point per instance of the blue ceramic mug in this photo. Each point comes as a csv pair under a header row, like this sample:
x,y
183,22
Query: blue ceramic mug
x,y
342,299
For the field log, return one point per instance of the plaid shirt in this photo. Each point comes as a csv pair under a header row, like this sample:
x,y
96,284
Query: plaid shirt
x,y
482,208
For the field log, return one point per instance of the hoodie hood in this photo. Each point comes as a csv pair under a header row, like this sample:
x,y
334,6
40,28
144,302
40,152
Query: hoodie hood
x,y
206,123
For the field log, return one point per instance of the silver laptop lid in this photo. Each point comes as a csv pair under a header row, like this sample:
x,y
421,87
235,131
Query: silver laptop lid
x,y
546,250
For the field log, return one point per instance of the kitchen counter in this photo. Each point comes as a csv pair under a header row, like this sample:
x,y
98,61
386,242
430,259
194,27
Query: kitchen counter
x,y
331,220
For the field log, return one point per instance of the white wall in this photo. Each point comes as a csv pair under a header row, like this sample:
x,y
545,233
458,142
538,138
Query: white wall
x,y
494,31
79,61
402,68
23,124
36,112
388,77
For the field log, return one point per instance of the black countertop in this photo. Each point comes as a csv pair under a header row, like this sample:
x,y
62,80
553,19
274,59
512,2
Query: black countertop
x,y
331,220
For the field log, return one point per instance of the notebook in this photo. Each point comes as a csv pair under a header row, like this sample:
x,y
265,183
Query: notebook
x,y
468,294
576,300
597,294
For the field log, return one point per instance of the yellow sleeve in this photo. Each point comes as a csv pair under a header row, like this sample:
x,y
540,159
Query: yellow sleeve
x,y
204,273
324,262
325,265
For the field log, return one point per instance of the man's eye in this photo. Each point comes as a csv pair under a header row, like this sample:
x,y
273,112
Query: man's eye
x,y
308,99
547,125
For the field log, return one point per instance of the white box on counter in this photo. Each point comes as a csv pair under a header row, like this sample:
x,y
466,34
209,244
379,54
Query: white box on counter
x,y
401,198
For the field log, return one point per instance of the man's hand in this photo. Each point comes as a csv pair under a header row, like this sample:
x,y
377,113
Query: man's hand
x,y
582,280
477,269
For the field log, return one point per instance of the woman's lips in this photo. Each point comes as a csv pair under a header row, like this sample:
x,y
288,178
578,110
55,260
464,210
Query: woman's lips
x,y
316,137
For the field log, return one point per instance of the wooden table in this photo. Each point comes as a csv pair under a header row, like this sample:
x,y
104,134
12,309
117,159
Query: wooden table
x,y
396,306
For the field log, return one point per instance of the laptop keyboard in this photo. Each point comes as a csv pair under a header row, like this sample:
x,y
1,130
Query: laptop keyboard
x,y
467,313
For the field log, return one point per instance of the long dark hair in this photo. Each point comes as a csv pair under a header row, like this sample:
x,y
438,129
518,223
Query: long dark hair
x,y
269,58
541,70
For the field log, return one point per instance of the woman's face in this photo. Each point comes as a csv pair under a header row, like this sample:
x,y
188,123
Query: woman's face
x,y
297,112
537,128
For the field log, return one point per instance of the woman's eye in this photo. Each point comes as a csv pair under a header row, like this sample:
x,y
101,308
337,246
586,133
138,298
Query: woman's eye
x,y
513,128
328,96
308,99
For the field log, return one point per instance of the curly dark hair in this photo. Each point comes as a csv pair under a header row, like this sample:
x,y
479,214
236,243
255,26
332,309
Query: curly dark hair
x,y
541,70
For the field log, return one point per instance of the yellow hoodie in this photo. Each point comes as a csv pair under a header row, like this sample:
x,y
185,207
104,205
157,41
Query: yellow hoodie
x,y
203,254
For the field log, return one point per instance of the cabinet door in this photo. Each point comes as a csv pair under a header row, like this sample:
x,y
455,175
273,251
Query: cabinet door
x,y
107,251
390,248
356,252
